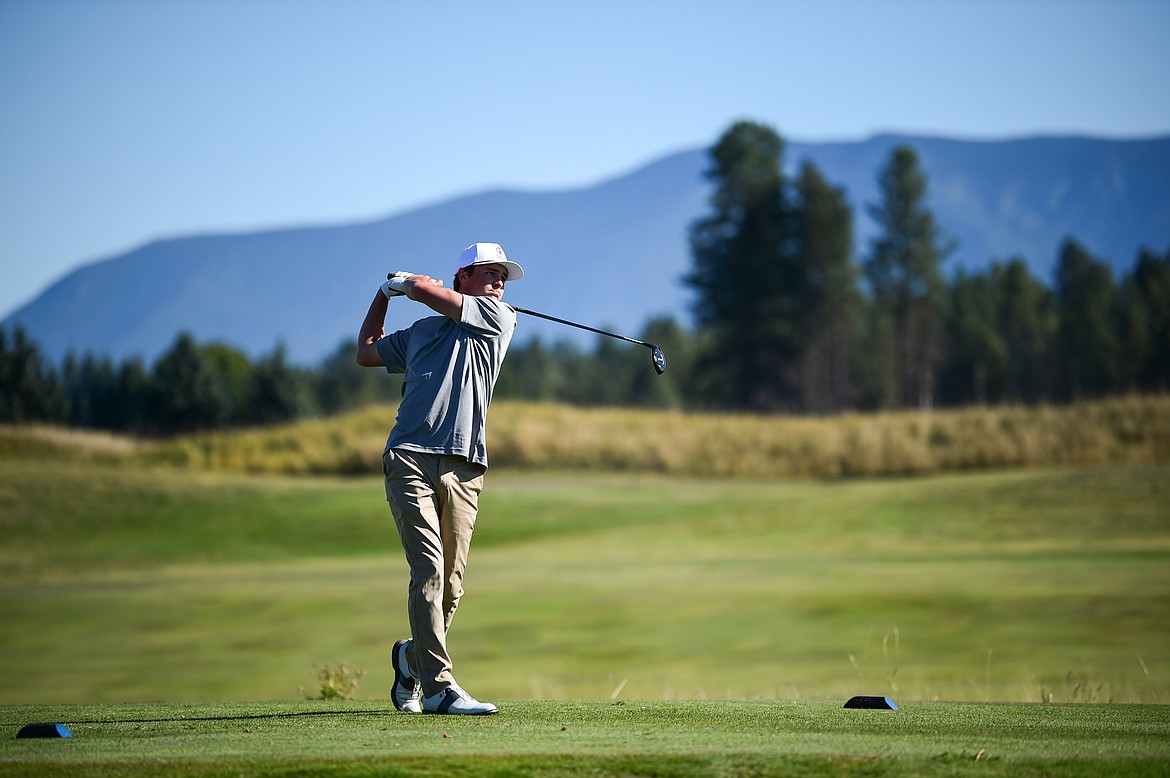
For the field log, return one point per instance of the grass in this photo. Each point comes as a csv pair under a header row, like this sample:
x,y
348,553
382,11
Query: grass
x,y
88,516
545,437
122,585
594,738
628,623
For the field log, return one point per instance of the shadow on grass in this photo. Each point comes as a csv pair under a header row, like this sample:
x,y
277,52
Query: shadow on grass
x,y
235,717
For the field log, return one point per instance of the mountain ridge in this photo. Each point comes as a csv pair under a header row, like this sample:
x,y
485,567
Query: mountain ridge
x,y
610,254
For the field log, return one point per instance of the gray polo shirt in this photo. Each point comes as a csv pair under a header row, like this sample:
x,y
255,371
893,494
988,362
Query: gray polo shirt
x,y
450,371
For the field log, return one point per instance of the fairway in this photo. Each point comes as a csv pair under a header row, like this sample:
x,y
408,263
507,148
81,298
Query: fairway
x,y
124,585
626,625
600,738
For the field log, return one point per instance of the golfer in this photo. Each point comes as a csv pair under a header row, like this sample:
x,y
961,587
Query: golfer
x,y
436,455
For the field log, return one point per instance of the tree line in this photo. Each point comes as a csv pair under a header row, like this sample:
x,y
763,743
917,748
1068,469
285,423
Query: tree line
x,y
786,320
190,387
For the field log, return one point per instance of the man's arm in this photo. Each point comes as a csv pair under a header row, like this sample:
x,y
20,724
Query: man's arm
x,y
424,289
431,293
373,328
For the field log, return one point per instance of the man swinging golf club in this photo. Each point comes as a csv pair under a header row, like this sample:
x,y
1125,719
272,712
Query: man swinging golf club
x,y
436,455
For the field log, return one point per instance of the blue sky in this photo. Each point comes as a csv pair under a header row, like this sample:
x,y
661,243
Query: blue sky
x,y
126,121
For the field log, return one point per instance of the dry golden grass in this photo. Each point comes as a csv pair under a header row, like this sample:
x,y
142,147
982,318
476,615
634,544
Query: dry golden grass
x,y
1134,429
38,440
348,444
556,437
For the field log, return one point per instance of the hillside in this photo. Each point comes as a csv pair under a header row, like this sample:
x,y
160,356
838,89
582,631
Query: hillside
x,y
309,287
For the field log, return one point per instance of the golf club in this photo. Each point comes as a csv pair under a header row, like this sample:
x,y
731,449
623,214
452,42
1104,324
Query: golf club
x,y
655,353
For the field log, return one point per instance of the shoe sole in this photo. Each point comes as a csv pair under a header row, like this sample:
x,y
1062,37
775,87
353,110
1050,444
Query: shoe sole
x,y
400,677
444,708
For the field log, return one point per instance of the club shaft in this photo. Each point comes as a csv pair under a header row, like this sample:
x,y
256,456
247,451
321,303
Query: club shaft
x,y
580,326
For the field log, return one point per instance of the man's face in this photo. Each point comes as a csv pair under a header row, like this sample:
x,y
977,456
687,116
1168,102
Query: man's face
x,y
484,281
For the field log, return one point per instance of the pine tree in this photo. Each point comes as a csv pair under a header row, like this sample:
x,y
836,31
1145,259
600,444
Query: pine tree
x,y
750,287
824,240
1027,322
904,273
1145,324
185,394
976,363
1086,344
272,395
30,389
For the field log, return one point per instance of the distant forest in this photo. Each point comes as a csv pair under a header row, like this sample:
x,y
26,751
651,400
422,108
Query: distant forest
x,y
786,321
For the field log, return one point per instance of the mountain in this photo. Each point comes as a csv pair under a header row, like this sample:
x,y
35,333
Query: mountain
x,y
610,255
1000,199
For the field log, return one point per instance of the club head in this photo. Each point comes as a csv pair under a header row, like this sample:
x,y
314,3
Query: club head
x,y
659,359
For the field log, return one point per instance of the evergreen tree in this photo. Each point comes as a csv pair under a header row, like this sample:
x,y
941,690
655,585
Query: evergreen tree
x,y
133,397
749,284
672,388
615,368
577,373
976,363
72,383
877,386
1145,325
824,241
91,384
339,383
529,373
1027,324
185,393
233,373
906,281
273,391
30,389
1086,344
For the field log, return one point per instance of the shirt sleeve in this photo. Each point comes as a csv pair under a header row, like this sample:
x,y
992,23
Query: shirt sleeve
x,y
486,316
393,348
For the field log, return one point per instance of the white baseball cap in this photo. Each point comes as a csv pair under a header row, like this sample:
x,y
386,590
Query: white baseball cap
x,y
489,254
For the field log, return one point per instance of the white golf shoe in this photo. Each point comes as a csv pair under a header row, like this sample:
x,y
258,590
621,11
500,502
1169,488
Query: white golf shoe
x,y
455,701
407,690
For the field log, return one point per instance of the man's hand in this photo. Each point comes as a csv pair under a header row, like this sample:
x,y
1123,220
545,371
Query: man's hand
x,y
395,284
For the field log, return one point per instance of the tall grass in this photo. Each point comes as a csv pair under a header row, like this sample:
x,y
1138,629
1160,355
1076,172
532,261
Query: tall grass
x,y
557,437
39,441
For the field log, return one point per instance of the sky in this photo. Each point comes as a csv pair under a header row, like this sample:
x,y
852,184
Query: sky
x,y
128,121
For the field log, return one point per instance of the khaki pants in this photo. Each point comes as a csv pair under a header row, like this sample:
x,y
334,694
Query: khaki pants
x,y
434,500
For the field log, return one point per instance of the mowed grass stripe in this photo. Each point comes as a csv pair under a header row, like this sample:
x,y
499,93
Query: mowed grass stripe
x,y
61,517
981,631
596,737
918,588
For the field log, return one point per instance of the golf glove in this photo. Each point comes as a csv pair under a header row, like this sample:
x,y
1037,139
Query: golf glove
x,y
395,285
